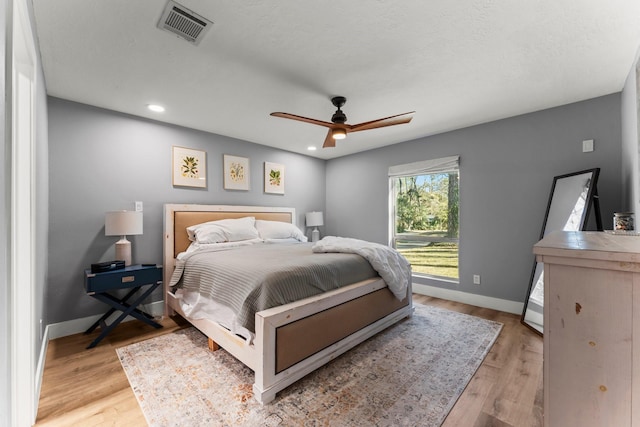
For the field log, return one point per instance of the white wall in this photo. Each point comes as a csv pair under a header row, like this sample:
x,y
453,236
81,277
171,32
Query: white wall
x,y
5,223
40,201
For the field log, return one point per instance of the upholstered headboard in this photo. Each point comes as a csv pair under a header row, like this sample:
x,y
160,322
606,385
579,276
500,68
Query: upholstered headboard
x,y
178,217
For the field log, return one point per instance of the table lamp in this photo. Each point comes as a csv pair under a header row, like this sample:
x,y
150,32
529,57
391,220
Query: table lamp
x,y
314,219
123,223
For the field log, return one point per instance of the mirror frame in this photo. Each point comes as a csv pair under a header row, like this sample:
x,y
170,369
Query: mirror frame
x,y
592,198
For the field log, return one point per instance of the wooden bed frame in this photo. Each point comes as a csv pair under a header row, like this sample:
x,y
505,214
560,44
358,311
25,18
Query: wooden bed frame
x,y
294,339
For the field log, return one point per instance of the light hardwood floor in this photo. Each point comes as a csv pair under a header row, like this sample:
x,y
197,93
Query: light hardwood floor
x,y
89,388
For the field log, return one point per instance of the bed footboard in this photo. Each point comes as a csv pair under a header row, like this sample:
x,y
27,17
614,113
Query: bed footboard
x,y
298,338
295,339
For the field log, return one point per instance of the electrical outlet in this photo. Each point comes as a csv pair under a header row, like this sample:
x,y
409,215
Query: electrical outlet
x,y
476,279
138,206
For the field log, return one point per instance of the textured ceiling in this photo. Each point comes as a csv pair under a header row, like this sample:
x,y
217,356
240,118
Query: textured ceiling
x,y
456,63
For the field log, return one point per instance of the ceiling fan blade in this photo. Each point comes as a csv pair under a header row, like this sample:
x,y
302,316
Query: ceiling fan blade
x,y
398,119
302,119
329,141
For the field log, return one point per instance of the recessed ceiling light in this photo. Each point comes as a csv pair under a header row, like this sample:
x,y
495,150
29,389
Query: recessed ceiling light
x,y
311,148
155,108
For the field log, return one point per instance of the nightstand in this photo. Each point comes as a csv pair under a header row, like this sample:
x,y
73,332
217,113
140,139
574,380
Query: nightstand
x,y
133,278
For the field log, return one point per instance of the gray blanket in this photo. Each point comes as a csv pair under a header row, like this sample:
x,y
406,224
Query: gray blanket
x,y
252,278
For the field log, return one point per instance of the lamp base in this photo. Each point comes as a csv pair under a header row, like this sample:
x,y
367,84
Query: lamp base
x,y
315,235
123,250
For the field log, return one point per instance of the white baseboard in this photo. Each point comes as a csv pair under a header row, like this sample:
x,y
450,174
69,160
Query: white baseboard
x,y
471,299
75,326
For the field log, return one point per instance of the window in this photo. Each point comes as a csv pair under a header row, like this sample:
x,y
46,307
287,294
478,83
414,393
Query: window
x,y
425,221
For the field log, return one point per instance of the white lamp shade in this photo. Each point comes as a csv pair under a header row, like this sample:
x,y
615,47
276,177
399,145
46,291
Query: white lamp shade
x,y
123,223
314,219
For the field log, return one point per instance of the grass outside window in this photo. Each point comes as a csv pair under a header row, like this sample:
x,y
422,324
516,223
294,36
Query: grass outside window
x,y
431,258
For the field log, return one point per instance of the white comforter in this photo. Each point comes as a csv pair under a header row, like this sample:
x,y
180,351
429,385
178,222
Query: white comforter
x,y
390,264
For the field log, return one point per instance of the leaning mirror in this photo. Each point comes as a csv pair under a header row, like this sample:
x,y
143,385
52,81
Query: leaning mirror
x,y
568,209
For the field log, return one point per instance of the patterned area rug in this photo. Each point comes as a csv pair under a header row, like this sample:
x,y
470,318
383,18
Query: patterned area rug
x,y
410,374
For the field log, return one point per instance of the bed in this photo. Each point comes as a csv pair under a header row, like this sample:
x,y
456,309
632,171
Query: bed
x,y
290,340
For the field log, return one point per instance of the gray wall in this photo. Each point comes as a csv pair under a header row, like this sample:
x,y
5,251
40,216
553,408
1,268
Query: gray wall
x,y
101,161
506,171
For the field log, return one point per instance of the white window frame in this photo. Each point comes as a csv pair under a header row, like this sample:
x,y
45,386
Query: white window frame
x,y
425,167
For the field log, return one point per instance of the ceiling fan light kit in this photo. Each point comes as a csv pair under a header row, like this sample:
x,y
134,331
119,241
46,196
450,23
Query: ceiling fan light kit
x,y
338,128
339,133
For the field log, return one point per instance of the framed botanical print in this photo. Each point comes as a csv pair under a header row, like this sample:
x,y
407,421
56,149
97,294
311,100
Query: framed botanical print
x,y
189,167
236,173
273,178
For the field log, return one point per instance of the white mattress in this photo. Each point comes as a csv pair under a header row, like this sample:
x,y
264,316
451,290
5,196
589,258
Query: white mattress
x,y
196,306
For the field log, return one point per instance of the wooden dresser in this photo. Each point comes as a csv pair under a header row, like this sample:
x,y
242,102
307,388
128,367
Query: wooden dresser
x,y
591,347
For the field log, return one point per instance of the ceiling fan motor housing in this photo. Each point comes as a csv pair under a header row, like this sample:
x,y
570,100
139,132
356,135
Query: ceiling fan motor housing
x,y
339,117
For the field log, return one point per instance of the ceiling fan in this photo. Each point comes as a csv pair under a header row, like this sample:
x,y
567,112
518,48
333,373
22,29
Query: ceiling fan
x,y
338,128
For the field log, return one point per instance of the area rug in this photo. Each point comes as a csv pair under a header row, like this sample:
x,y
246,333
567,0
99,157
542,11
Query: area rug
x,y
410,374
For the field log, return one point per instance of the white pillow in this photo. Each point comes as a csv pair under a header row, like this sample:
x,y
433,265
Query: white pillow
x,y
224,230
279,230
195,246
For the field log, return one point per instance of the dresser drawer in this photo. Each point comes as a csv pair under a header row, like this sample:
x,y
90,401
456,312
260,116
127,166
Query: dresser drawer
x,y
129,277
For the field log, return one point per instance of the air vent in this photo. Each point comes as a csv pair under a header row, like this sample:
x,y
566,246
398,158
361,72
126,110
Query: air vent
x,y
184,23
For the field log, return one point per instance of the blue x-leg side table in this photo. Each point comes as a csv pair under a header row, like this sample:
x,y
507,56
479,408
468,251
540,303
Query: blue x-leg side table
x,y
101,286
